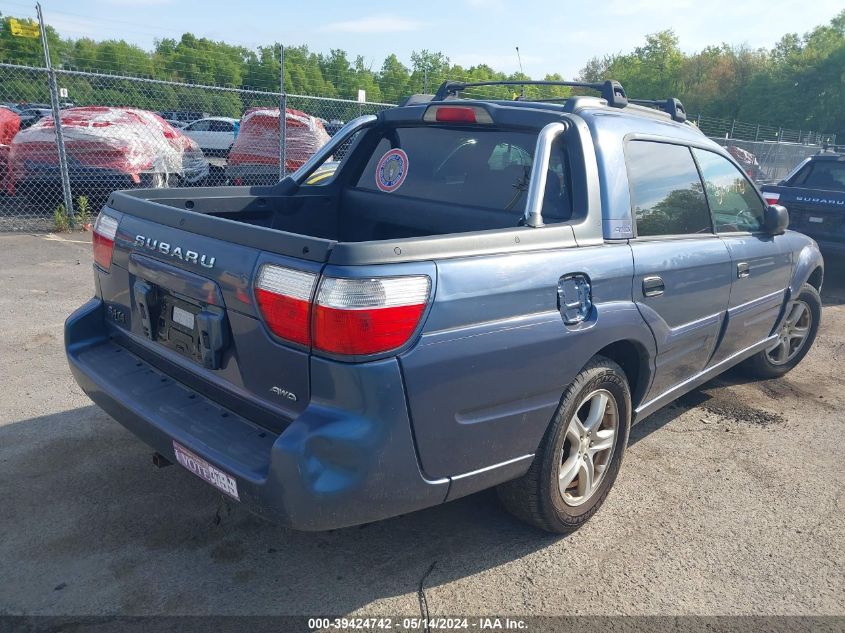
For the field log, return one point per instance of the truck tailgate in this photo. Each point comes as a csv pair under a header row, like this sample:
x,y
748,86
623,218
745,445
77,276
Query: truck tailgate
x,y
185,302
820,214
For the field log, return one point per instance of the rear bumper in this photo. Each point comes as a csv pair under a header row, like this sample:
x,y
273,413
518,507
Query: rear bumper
x,y
347,459
252,175
90,181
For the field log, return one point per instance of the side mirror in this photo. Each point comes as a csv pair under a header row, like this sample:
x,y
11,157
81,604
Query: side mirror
x,y
776,219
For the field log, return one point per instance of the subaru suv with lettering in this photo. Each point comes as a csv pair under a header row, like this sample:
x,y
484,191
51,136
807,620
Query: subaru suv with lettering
x,y
480,293
814,193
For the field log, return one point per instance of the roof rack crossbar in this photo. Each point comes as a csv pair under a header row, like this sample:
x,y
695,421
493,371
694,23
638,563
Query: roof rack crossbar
x,y
673,107
611,90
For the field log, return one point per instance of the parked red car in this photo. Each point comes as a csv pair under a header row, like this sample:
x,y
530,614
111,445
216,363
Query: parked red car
x,y
10,123
107,148
254,157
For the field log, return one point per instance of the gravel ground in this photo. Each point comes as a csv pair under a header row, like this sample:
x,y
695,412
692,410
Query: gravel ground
x,y
729,502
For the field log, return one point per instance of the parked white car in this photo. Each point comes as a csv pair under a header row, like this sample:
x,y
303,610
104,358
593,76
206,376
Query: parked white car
x,y
214,135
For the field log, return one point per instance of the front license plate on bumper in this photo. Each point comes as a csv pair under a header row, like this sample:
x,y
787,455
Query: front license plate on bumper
x,y
206,471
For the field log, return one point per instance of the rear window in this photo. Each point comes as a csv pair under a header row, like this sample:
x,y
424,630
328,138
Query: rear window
x,y
479,168
826,174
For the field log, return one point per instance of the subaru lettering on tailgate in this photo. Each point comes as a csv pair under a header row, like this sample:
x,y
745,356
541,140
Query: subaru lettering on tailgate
x,y
192,257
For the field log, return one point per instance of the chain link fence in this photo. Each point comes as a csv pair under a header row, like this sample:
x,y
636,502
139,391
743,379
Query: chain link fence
x,y
128,132
767,161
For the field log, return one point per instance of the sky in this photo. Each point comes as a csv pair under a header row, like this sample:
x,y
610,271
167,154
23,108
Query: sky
x,y
552,36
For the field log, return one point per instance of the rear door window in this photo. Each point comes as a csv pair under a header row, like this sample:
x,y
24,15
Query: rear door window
x,y
478,168
667,196
221,126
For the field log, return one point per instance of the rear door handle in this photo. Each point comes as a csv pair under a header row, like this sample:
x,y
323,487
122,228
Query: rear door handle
x,y
743,270
653,286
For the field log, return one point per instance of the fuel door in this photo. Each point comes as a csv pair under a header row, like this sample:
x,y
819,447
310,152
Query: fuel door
x,y
574,298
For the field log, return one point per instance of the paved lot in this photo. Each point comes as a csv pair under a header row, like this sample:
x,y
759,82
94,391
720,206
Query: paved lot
x,y
730,502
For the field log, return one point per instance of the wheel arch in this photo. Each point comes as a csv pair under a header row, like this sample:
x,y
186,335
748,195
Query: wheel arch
x,y
633,358
809,268
816,278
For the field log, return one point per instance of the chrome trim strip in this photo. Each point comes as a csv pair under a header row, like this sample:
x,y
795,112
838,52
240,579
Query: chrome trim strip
x,y
311,165
759,301
690,383
537,185
472,473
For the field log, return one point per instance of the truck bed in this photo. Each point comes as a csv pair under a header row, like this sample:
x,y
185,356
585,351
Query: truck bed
x,y
353,227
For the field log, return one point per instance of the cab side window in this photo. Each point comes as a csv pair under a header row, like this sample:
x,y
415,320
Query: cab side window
x,y
733,200
667,197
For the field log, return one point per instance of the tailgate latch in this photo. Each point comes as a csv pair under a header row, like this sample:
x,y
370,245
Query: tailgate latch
x,y
145,300
211,324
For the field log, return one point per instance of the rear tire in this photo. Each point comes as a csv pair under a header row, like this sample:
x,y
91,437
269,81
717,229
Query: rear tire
x,y
580,455
795,337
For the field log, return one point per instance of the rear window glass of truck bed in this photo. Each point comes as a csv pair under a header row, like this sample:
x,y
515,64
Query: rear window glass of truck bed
x,y
827,175
473,167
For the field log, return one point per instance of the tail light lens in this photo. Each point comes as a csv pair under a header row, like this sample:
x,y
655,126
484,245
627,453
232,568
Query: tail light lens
x,y
348,316
771,198
457,114
105,228
284,298
367,316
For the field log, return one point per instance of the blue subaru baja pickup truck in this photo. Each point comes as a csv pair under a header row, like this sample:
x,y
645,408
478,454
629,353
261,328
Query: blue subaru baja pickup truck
x,y
479,293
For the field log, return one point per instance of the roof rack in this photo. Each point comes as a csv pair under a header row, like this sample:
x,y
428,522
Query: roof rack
x,y
611,90
673,107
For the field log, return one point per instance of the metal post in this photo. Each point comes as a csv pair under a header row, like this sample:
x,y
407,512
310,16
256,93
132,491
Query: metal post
x,y
757,134
283,109
57,121
733,124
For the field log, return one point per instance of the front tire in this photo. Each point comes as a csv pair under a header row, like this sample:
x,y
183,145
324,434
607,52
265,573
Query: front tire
x,y
580,455
795,337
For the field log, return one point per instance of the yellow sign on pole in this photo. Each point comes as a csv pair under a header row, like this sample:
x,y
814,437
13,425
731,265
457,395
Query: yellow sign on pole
x,y
23,29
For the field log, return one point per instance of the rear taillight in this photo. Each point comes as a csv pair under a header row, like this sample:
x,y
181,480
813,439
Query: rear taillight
x,y
771,198
348,316
368,316
284,298
105,228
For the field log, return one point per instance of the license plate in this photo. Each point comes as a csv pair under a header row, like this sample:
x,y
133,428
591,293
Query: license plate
x,y
183,317
815,219
205,471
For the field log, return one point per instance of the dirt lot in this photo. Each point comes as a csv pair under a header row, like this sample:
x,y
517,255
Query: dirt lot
x,y
729,502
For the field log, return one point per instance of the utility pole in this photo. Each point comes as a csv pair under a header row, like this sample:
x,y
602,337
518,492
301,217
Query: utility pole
x,y
57,119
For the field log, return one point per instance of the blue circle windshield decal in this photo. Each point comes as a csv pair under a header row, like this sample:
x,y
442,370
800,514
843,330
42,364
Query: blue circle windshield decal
x,y
391,171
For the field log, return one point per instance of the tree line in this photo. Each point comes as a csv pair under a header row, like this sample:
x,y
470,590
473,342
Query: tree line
x,y
798,83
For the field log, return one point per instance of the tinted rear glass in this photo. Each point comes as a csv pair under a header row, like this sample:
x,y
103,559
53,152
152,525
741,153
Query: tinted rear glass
x,y
479,167
667,196
826,174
